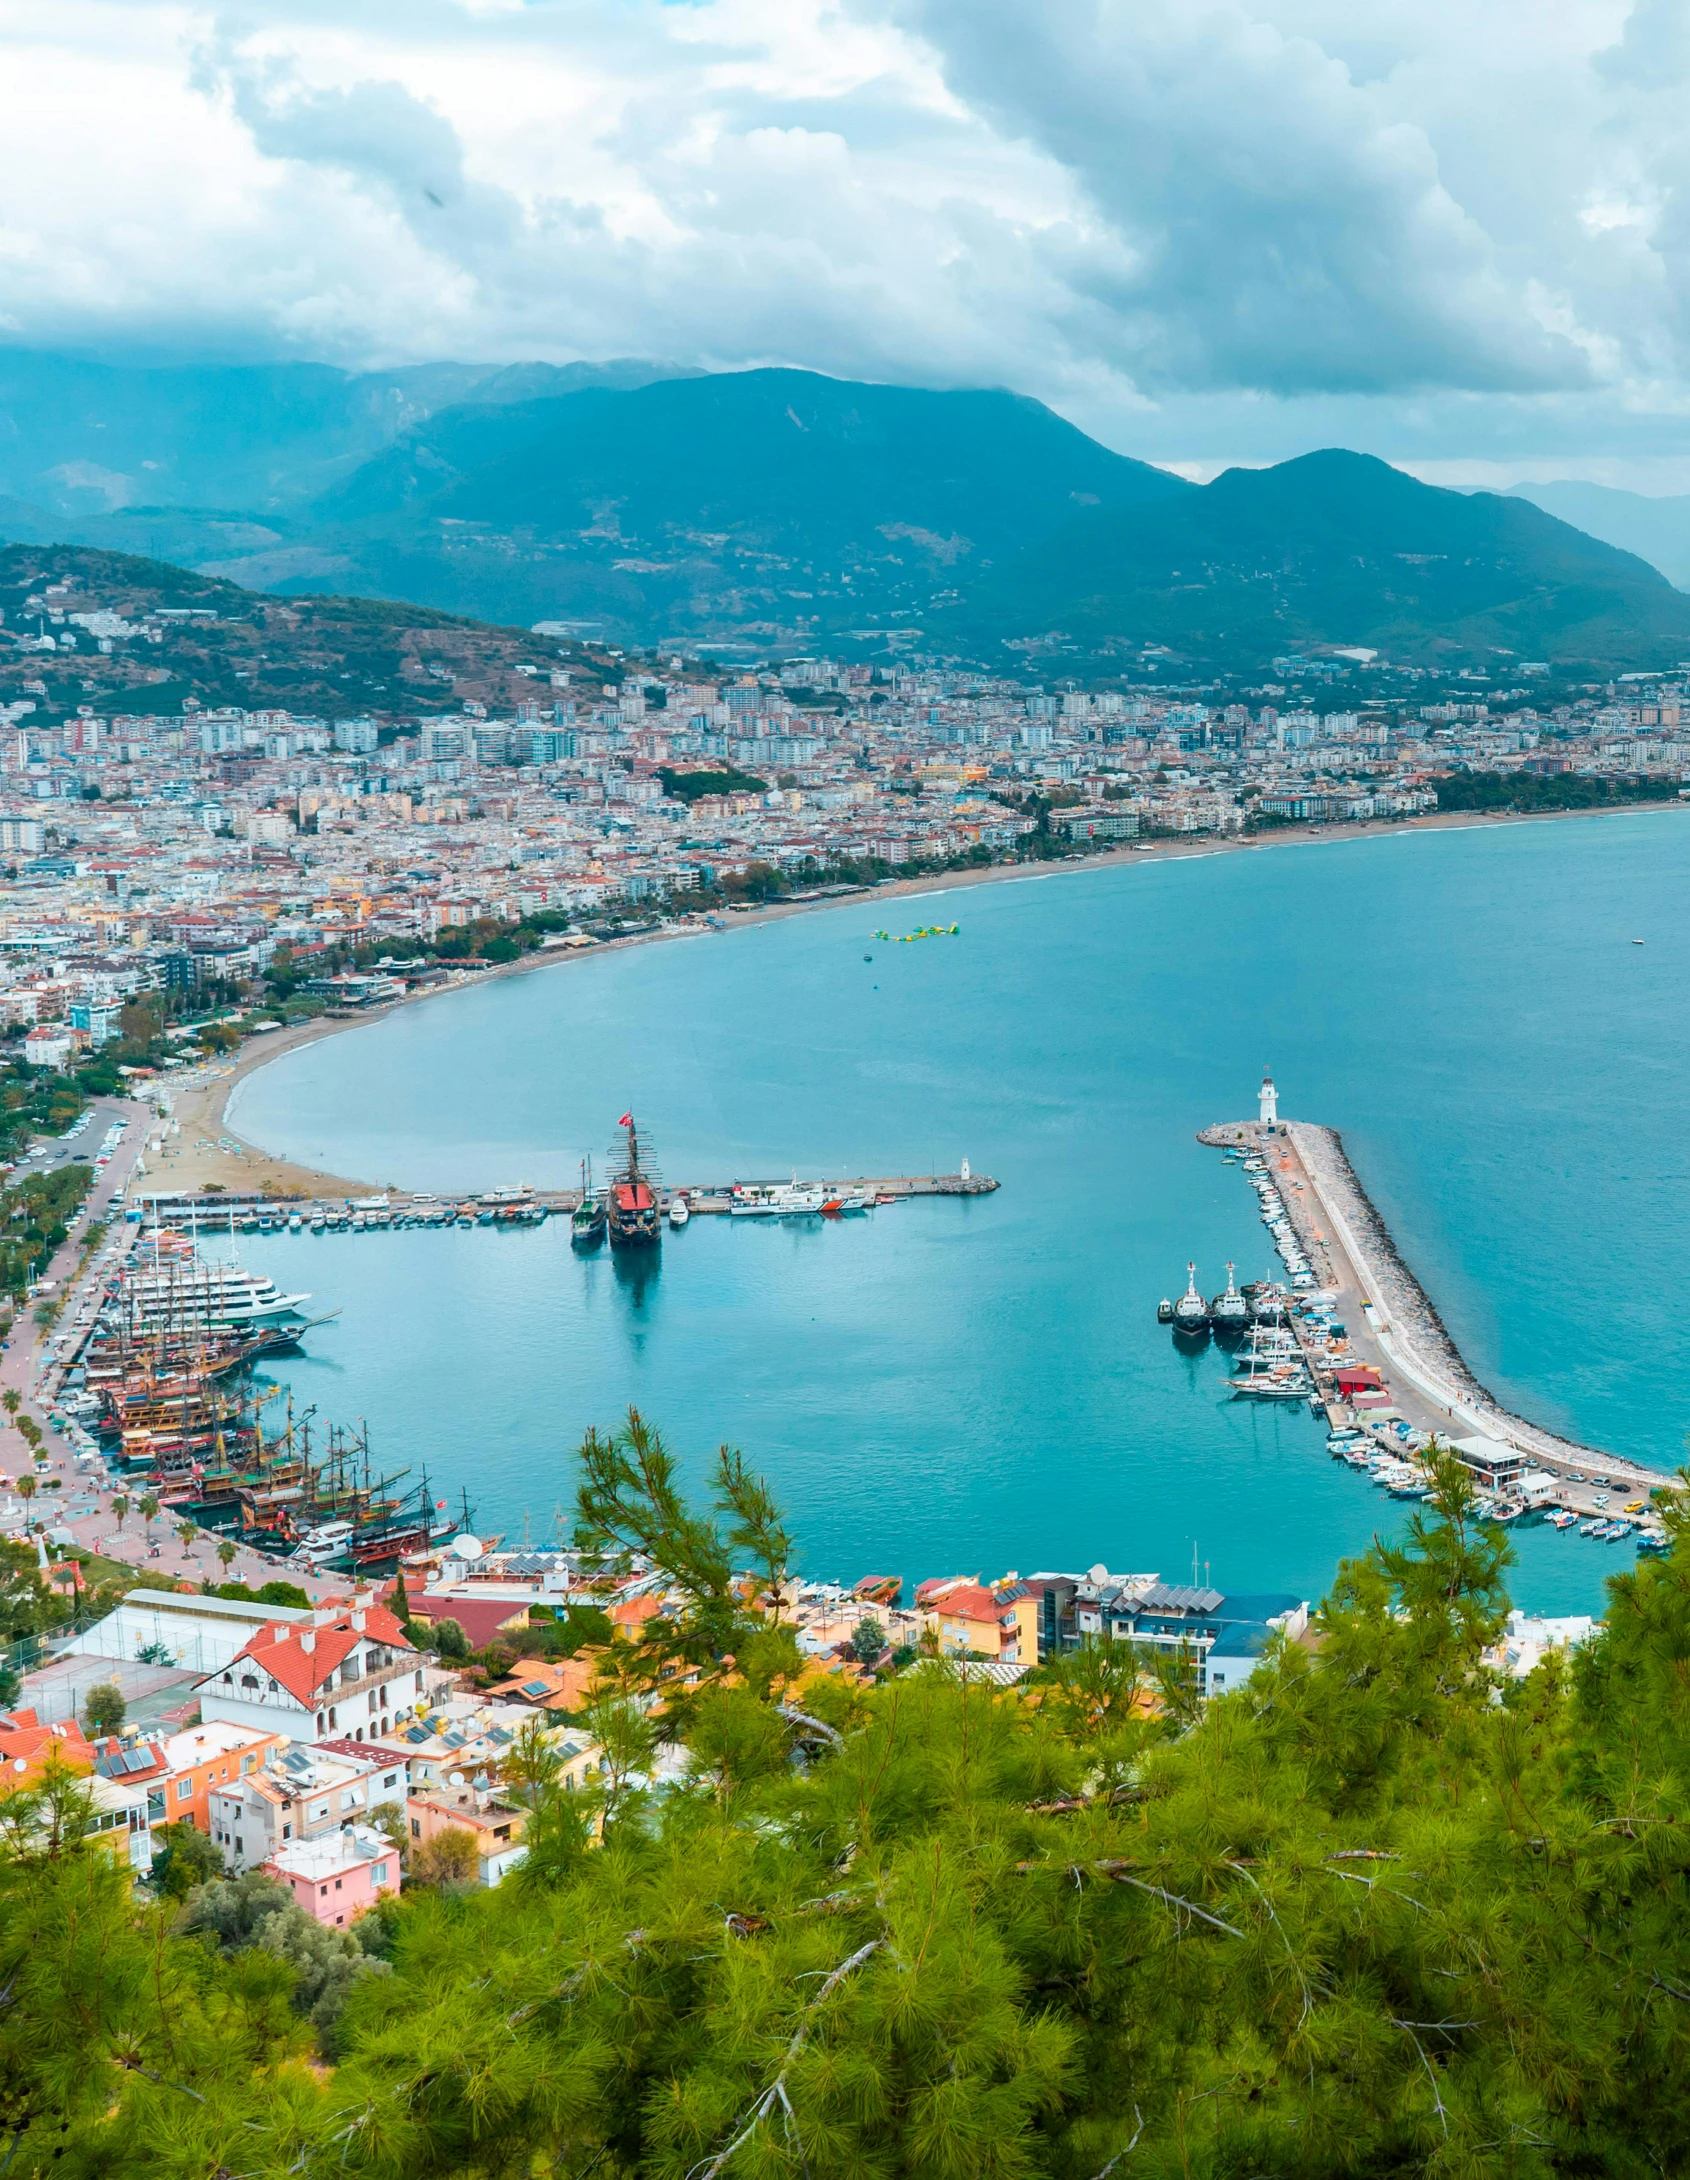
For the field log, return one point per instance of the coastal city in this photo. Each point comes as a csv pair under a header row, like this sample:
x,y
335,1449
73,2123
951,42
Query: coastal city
x,y
180,854
844,876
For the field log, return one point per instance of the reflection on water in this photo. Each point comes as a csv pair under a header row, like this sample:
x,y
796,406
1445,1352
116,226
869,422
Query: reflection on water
x,y
637,1274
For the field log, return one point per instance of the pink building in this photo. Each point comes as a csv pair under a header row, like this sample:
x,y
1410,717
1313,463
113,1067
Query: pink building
x,y
338,1876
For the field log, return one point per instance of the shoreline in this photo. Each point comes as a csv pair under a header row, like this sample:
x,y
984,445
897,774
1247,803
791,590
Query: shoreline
x,y
251,1166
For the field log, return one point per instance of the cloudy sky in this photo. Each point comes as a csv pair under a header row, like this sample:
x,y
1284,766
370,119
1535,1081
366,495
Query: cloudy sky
x,y
1207,230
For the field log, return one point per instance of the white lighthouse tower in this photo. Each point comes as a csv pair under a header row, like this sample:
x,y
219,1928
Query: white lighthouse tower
x,y
1269,1102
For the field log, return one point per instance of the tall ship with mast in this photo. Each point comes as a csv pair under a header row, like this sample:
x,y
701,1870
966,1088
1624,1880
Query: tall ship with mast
x,y
631,1206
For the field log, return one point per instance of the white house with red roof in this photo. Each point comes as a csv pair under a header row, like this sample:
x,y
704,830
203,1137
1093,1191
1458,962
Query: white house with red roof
x,y
347,1674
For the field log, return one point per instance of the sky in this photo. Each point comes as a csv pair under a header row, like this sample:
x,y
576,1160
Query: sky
x,y
1453,234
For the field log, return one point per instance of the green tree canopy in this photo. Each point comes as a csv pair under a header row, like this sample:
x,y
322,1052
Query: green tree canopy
x,y
1381,1912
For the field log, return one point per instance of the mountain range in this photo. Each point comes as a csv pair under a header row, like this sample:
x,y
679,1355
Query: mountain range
x,y
635,502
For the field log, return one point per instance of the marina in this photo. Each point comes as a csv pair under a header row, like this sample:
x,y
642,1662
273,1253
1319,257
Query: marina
x,y
159,1391
1363,1344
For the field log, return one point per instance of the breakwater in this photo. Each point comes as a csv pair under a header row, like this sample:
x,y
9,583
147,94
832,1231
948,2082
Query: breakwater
x,y
1350,1247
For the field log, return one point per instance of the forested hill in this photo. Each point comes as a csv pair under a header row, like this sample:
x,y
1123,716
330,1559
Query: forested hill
x,y
217,643
1336,549
782,510
1379,1913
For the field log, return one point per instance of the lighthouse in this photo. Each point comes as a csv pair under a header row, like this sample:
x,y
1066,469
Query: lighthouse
x,y
1269,1102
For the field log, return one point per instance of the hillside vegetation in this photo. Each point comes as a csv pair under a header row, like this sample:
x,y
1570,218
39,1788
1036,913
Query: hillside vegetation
x,y
324,657
1336,548
644,505
1377,1914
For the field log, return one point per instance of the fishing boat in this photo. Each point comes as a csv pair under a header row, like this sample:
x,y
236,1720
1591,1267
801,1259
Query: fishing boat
x,y
632,1214
1191,1314
587,1220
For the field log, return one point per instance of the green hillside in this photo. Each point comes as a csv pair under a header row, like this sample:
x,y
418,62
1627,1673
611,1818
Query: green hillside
x,y
1334,548
639,504
318,657
773,501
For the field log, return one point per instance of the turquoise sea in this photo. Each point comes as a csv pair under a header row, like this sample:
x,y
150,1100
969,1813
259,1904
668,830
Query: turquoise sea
x,y
981,1385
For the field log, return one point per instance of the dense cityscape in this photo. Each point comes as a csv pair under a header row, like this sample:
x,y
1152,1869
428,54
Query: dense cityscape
x,y
181,852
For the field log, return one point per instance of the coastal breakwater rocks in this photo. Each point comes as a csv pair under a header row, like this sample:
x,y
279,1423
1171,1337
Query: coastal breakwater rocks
x,y
1408,1327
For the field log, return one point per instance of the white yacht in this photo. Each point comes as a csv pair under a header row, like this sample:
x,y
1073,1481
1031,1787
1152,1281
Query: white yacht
x,y
679,1211
212,1296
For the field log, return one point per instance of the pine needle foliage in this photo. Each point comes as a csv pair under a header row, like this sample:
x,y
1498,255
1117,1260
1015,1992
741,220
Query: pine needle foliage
x,y
1379,1913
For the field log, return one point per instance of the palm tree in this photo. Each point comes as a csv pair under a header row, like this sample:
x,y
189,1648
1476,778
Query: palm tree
x,y
11,1400
149,1513
120,1507
185,1535
226,1553
26,1488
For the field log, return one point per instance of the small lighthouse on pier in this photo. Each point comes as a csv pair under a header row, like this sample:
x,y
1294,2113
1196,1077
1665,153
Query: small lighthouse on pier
x,y
1269,1098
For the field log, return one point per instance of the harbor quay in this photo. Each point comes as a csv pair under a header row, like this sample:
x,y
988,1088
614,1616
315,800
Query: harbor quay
x,y
522,1205
1403,1366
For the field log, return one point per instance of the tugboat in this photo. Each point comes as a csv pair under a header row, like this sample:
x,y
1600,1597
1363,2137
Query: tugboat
x,y
634,1219
587,1220
1165,1310
1230,1312
1191,1314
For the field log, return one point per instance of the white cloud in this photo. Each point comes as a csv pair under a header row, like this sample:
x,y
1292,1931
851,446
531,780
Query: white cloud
x,y
1202,227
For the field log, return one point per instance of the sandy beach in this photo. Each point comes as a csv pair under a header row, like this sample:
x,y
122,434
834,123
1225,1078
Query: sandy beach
x,y
205,1153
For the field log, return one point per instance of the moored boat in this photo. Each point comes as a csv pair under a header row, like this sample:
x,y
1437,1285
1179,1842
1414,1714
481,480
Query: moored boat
x,y
1191,1315
631,1213
1230,1312
587,1220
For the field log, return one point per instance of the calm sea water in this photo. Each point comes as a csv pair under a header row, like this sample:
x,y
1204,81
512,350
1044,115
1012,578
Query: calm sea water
x,y
952,1386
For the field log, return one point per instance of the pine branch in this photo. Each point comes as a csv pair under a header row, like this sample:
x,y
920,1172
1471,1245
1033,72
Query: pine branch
x,y
1118,1873
796,1717
775,2094
570,1984
1127,2152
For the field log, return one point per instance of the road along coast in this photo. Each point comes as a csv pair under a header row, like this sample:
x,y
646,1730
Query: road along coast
x,y
1353,1254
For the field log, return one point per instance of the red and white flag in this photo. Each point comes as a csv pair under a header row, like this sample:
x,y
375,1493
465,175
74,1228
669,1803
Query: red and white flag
x,y
627,1121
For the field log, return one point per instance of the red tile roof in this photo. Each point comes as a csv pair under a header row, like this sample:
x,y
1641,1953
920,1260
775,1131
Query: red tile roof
x,y
279,1648
969,1601
481,1618
24,1744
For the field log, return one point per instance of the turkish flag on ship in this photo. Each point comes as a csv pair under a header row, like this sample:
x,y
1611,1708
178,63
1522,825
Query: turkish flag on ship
x,y
627,1121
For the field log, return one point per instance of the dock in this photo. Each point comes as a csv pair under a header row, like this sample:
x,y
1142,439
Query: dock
x,y
515,1206
1391,1319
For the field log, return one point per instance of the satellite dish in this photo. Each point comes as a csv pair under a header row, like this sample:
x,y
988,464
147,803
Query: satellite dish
x,y
466,1547
454,1778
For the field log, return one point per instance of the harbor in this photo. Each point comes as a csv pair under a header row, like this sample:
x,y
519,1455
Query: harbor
x,y
1351,1330
521,1205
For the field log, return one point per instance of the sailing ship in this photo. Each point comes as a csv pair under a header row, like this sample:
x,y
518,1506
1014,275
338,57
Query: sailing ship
x,y
632,1212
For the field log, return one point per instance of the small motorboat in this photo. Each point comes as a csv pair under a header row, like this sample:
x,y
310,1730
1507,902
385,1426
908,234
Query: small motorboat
x,y
679,1211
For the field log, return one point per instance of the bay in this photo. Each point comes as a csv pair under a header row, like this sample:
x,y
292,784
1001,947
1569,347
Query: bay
x,y
952,1386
